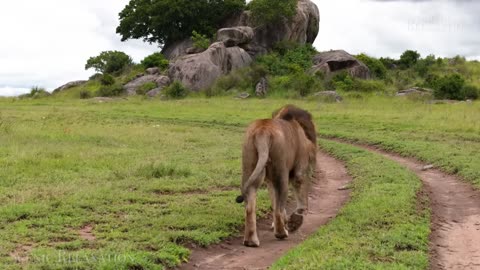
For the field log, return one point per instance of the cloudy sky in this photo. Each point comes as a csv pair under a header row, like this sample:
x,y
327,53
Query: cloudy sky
x,y
46,43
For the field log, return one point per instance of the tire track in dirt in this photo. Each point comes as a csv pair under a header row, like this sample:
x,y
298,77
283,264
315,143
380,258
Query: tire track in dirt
x,y
326,198
455,227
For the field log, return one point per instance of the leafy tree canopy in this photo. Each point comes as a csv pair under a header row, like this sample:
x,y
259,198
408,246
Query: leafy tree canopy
x,y
166,21
109,62
272,11
409,58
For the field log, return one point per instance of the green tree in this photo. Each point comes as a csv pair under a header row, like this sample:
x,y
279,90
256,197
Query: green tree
x,y
272,11
166,21
109,62
408,59
376,66
155,60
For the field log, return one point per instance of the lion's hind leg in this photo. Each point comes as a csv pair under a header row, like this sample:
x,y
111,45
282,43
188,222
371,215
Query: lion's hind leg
x,y
301,186
279,213
251,237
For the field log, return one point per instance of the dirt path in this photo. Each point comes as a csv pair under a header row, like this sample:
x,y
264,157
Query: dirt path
x,y
325,201
455,237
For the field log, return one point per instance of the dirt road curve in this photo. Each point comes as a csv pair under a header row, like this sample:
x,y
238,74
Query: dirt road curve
x,y
455,237
325,201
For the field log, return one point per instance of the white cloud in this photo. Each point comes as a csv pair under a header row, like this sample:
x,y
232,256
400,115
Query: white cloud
x,y
46,43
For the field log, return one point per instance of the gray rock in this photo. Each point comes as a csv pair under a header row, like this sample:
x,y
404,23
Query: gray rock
x,y
302,28
332,96
194,50
152,71
237,58
163,81
427,167
199,71
154,92
70,85
132,86
235,36
177,49
261,89
415,91
243,95
334,61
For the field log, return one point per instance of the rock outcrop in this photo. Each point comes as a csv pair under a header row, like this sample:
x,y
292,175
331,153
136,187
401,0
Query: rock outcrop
x,y
334,61
160,80
329,96
238,42
199,71
69,85
415,91
261,90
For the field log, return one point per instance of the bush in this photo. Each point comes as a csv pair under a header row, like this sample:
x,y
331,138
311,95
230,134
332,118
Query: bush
x,y
388,62
36,92
295,85
85,94
107,79
110,90
200,41
470,92
155,60
176,90
284,62
272,11
408,59
450,87
377,68
109,62
144,88
344,82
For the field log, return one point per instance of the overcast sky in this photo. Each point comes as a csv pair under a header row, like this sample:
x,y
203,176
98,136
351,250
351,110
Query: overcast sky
x,y
46,43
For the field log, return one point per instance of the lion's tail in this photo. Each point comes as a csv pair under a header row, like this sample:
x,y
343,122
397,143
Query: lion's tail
x,y
262,145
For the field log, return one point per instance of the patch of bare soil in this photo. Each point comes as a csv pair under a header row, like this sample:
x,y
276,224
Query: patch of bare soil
x,y
455,237
21,253
86,232
326,199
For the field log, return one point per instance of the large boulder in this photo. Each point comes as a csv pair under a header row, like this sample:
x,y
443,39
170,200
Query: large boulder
x,y
199,71
241,30
235,36
302,28
415,91
334,61
160,80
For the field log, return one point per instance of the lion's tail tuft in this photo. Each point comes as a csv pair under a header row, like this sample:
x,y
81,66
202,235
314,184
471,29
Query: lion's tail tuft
x,y
240,199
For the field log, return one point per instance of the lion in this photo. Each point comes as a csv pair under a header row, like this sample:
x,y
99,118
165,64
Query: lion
x,y
279,151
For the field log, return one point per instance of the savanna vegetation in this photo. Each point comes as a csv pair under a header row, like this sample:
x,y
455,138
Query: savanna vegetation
x,y
178,163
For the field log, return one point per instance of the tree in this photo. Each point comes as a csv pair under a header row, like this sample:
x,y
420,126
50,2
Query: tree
x,y
450,87
109,62
375,65
166,21
408,59
272,11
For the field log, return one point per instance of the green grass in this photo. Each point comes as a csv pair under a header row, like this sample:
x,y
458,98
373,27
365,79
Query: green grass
x,y
154,177
380,228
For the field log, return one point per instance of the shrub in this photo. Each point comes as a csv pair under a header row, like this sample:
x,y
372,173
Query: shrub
x,y
110,90
85,94
470,92
36,92
109,62
200,41
344,82
144,88
422,67
376,66
450,87
155,60
295,85
272,11
107,79
176,90
284,62
388,62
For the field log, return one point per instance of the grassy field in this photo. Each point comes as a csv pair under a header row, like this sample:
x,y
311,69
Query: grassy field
x,y
382,227
151,178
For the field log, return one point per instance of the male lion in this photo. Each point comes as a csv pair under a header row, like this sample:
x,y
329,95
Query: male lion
x,y
277,149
